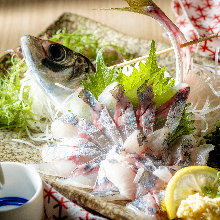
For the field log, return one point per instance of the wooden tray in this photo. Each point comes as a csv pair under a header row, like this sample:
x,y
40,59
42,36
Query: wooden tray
x,y
12,151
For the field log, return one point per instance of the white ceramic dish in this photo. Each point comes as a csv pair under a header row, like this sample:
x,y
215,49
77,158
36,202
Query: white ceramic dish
x,y
21,181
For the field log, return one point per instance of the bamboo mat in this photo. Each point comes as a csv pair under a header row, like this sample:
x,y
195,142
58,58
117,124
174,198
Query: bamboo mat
x,y
20,17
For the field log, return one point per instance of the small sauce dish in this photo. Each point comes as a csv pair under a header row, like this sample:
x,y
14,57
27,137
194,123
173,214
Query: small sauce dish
x,y
21,194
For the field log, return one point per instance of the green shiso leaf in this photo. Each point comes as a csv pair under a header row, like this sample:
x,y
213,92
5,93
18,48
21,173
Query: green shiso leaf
x,y
150,74
101,79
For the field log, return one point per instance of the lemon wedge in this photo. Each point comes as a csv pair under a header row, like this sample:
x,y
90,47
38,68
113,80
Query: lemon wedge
x,y
185,182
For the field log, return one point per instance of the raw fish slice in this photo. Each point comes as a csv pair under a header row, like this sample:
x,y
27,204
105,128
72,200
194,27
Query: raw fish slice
x,y
86,130
109,127
145,206
135,143
145,114
105,188
78,180
175,113
163,173
145,99
181,151
157,142
148,176
78,107
124,116
122,175
75,149
60,168
200,155
60,129
186,152
108,100
101,118
127,123
146,161
95,106
162,112
147,120
150,182
64,156
90,167
154,174
84,175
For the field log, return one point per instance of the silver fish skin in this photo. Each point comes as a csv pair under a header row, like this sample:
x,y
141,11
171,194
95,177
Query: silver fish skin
x,y
52,63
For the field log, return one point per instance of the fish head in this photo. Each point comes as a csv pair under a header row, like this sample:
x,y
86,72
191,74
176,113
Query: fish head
x,y
51,63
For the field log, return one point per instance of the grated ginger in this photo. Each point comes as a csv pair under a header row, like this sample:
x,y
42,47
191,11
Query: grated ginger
x,y
196,207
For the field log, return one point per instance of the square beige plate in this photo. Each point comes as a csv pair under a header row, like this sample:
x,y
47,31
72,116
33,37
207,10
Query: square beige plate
x,y
12,151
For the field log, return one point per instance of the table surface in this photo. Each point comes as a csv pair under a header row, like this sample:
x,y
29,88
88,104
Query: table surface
x,y
21,17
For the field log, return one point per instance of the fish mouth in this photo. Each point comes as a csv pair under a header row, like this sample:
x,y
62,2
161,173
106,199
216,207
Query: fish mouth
x,y
33,51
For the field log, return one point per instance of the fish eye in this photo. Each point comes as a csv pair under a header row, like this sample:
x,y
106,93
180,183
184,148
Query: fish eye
x,y
56,52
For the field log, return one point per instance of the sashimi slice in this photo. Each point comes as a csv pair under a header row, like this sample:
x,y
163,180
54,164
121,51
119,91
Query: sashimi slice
x,y
163,173
162,112
146,121
85,175
108,100
60,129
60,168
146,177
124,116
105,188
78,107
145,206
82,181
122,176
94,106
78,150
145,99
175,113
64,156
145,114
200,155
181,151
157,142
135,143
109,127
86,130
101,117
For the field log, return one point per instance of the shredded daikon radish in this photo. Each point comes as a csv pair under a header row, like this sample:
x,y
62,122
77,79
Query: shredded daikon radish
x,y
64,87
26,142
44,110
204,81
